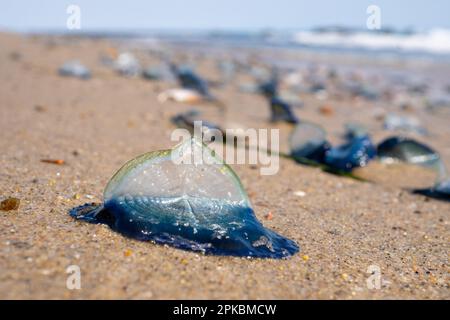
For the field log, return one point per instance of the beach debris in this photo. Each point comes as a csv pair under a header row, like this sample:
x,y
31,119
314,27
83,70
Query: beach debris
x,y
395,122
352,154
127,65
53,161
187,198
74,68
10,204
305,257
308,143
281,111
180,95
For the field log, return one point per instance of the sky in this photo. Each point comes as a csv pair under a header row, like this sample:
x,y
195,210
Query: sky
x,y
42,15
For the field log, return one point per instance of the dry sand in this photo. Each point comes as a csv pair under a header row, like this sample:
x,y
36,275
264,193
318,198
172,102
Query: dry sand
x,y
342,225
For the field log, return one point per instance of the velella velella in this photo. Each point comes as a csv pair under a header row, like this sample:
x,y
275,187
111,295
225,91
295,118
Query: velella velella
x,y
74,69
186,198
355,153
408,150
190,80
308,143
281,111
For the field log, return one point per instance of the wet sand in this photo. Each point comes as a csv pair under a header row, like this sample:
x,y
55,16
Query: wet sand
x,y
343,226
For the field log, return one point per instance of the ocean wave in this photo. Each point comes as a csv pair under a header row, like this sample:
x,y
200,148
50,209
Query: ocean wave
x,y
434,41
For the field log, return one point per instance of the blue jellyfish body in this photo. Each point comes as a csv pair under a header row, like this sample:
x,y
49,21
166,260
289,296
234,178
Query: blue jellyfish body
x,y
355,153
235,231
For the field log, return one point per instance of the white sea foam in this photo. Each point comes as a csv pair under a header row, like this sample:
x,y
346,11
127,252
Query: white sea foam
x,y
434,41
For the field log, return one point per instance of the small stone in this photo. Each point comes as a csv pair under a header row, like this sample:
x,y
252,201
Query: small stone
x,y
10,204
40,108
127,253
305,257
300,193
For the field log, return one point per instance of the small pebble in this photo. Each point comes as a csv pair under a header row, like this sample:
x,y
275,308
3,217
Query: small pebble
x,y
269,215
300,193
10,204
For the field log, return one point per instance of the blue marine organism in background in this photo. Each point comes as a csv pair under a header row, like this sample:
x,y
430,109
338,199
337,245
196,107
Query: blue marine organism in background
x,y
355,153
190,80
281,111
308,143
399,148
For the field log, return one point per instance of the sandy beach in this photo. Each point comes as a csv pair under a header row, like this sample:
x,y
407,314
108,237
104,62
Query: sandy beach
x,y
343,226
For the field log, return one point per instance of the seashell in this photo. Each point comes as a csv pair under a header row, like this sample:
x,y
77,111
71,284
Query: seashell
x,y
281,111
180,95
355,153
172,197
308,143
74,69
